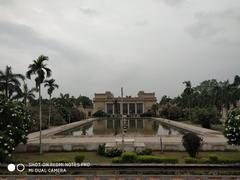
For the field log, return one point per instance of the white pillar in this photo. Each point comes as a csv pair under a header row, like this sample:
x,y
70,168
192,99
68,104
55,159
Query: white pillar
x,y
135,108
128,108
143,107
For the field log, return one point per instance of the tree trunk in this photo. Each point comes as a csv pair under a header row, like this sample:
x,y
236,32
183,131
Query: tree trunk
x,y
6,90
40,119
189,109
50,109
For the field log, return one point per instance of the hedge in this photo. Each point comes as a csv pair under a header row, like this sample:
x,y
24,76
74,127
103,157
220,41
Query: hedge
x,y
79,158
156,159
132,157
129,157
211,160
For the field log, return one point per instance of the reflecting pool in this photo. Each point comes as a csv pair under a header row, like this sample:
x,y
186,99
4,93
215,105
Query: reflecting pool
x,y
112,127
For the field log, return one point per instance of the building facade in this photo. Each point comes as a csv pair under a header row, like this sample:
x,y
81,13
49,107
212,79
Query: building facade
x,y
131,105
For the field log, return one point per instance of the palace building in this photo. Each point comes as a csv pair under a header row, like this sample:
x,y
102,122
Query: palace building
x,y
131,105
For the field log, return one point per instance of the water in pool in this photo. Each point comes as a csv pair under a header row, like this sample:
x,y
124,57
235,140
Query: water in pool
x,y
112,127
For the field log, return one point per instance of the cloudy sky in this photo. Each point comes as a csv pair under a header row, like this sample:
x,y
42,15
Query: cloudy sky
x,y
99,45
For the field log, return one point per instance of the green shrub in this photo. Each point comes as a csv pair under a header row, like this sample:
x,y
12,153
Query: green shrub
x,y
169,160
79,158
192,143
190,160
156,159
149,159
171,111
147,151
101,149
149,113
100,113
15,122
213,159
114,152
228,161
204,161
206,116
129,157
116,160
232,127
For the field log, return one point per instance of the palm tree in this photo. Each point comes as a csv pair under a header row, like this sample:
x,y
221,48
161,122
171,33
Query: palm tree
x,y
51,87
39,68
188,91
9,82
27,94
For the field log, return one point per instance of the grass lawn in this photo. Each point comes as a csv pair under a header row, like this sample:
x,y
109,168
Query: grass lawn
x,y
92,157
182,155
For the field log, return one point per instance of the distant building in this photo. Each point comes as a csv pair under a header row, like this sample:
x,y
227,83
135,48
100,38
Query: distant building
x,y
131,105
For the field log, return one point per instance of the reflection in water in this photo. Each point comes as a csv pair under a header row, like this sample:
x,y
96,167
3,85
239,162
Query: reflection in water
x,y
135,127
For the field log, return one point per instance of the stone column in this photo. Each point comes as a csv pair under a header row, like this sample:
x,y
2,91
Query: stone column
x,y
143,106
113,109
135,108
128,108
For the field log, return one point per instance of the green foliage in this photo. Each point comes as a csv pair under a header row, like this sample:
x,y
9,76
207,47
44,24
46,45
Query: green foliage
x,y
9,82
117,160
149,113
79,158
129,157
156,159
206,116
100,113
101,149
232,127
170,111
114,152
190,160
76,115
213,158
56,117
14,125
84,100
146,151
192,143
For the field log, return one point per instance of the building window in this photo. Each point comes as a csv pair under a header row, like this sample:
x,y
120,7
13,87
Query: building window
x,y
139,108
116,108
132,108
110,108
125,108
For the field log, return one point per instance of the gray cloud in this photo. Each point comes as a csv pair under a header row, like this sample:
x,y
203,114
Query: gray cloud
x,y
142,23
173,2
136,44
24,37
212,24
88,11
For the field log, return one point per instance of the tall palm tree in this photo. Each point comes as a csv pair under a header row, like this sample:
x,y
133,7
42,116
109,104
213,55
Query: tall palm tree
x,y
188,91
51,87
9,82
39,68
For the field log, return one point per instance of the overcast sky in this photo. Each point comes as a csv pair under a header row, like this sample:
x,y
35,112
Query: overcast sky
x,y
99,45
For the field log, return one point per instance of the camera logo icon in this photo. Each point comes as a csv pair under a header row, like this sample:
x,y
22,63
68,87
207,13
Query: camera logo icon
x,y
19,167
